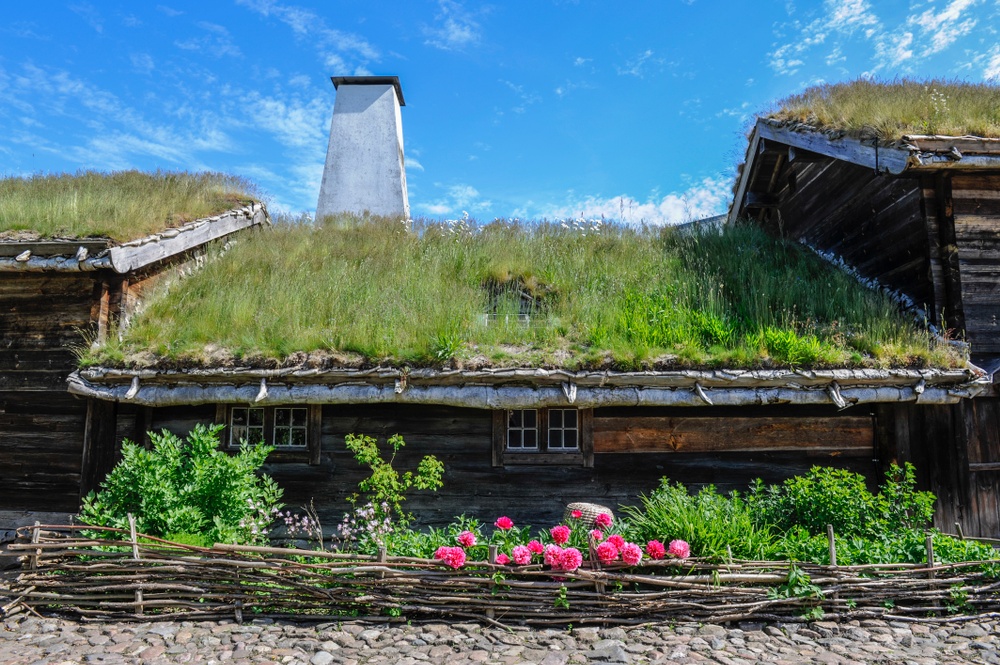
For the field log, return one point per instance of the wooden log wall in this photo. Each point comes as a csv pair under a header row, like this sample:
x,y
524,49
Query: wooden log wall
x,y
956,451
772,443
876,223
41,425
975,205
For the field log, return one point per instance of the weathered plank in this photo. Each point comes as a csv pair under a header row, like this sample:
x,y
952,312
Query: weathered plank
x,y
850,435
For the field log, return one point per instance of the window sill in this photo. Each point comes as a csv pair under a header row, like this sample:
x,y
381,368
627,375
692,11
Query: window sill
x,y
547,459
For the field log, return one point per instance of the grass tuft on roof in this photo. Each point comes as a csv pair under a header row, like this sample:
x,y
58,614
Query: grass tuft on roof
x,y
123,205
578,296
888,110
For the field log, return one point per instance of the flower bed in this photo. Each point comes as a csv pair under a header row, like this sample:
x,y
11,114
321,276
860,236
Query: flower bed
x,y
131,576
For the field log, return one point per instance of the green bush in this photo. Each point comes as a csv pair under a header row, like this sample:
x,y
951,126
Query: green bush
x,y
708,521
841,498
188,488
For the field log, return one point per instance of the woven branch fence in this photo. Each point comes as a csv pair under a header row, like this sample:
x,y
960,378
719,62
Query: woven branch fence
x,y
125,575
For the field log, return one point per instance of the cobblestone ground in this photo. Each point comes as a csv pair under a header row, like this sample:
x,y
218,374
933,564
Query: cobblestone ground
x,y
31,640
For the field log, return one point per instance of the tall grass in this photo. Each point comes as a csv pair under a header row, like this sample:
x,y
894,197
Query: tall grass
x,y
602,296
890,109
122,205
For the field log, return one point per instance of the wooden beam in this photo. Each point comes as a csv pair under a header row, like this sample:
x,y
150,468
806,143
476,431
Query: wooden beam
x,y
100,452
130,257
890,159
499,436
758,200
802,156
49,248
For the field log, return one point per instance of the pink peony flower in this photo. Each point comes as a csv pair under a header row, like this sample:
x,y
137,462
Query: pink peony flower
x,y
597,535
451,556
560,534
607,552
467,539
503,559
577,514
631,554
655,549
505,523
617,541
679,549
522,555
570,559
535,547
552,554
603,520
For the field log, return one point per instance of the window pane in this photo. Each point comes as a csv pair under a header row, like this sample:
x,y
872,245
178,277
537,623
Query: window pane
x,y
555,438
282,417
530,418
514,438
569,418
530,438
555,418
239,417
256,417
255,435
299,417
570,438
282,437
514,418
299,437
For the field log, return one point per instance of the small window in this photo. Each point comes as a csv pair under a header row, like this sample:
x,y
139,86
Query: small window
x,y
294,431
542,436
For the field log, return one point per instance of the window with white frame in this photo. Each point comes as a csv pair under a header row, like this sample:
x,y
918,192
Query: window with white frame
x,y
543,436
290,429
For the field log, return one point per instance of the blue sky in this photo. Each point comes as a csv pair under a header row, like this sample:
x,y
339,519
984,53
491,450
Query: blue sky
x,y
547,108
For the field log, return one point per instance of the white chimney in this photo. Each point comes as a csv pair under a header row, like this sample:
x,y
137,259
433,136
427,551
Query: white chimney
x,y
364,161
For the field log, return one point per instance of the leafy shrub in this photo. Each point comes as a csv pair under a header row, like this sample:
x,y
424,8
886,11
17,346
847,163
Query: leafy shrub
x,y
378,504
708,521
839,497
188,489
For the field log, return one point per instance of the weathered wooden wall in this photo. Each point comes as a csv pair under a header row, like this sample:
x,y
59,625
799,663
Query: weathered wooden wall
x,y
537,494
41,425
975,203
956,451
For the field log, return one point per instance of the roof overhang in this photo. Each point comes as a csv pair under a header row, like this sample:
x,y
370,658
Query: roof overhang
x,y
90,255
913,153
528,388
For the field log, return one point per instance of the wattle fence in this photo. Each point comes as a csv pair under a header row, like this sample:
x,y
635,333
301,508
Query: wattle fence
x,y
125,575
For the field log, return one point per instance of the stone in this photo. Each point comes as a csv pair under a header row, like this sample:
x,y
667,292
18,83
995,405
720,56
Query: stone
x,y
321,658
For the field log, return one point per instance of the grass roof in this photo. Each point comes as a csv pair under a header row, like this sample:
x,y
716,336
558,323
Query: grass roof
x,y
505,295
122,206
891,109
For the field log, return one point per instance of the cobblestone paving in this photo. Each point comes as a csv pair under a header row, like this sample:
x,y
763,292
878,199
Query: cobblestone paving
x,y
33,640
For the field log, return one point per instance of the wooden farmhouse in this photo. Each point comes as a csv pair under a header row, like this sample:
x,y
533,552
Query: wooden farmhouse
x,y
918,216
58,295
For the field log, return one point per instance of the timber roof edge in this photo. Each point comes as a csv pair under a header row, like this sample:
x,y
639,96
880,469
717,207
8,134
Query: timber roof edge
x,y
912,152
87,255
529,388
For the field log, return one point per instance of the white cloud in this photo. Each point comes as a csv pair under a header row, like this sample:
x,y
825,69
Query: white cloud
x,y
455,30
143,62
457,199
637,65
526,99
89,13
991,68
218,41
946,26
705,199
413,165
296,123
339,51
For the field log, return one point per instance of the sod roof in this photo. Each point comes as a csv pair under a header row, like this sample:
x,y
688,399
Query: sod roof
x,y
890,110
120,206
577,297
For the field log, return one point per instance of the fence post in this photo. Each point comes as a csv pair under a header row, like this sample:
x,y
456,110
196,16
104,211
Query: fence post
x,y
36,535
833,544
493,554
958,528
930,555
135,556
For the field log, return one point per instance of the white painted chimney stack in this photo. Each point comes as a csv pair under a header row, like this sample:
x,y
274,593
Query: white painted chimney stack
x,y
364,161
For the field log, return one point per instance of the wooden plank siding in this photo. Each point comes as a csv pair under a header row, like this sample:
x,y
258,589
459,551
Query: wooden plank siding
x,y
41,425
977,236
537,494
